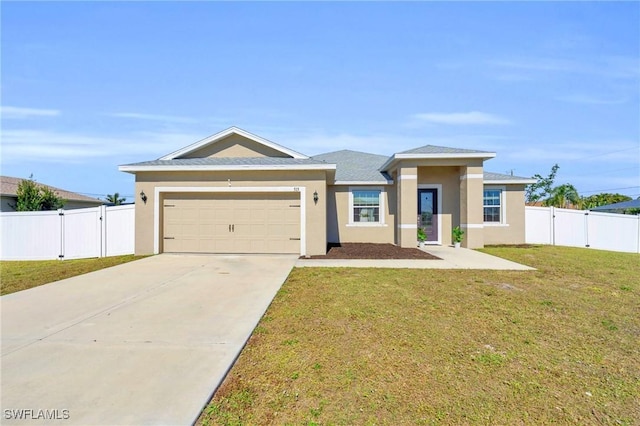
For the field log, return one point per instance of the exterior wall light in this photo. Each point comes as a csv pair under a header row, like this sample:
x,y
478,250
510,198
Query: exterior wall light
x,y
315,197
143,196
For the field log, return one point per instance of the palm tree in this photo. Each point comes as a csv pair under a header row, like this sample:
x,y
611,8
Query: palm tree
x,y
115,199
562,196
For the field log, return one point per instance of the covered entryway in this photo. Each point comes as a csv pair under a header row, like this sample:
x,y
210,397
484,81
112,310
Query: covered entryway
x,y
231,222
428,214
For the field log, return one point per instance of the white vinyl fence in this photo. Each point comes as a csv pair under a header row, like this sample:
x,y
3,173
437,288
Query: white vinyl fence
x,y
67,234
582,228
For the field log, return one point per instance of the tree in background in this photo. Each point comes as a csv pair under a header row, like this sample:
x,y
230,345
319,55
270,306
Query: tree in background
x,y
602,199
542,188
33,197
115,199
563,196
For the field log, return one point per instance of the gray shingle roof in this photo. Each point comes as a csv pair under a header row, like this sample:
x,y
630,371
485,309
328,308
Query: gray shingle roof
x,y
355,166
501,176
231,161
631,204
433,149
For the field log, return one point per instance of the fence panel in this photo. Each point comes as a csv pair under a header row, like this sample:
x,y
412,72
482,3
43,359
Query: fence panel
x,y
67,234
615,232
82,233
30,235
539,225
579,228
570,228
119,236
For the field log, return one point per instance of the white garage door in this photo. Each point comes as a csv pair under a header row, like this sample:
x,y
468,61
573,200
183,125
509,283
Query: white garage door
x,y
231,223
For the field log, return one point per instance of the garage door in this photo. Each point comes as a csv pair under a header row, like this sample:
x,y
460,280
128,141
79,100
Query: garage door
x,y
231,223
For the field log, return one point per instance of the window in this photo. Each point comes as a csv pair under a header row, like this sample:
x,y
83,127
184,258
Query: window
x,y
365,206
492,205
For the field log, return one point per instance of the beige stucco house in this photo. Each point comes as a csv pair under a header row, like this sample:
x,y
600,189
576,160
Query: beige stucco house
x,y
235,192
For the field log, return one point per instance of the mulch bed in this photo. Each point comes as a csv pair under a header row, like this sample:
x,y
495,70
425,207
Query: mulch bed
x,y
372,251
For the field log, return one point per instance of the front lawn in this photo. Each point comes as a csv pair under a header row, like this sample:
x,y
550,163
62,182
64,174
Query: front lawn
x,y
374,346
21,275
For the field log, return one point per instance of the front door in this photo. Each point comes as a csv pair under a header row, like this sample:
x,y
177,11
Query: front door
x,y
428,213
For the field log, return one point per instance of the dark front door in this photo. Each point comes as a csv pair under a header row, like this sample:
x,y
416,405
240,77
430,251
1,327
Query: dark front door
x,y
428,213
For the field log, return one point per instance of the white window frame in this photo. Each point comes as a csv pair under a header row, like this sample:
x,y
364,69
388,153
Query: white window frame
x,y
503,204
382,204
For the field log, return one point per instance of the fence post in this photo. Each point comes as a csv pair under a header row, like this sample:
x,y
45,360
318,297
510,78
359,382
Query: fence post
x,y
552,212
61,215
586,229
103,231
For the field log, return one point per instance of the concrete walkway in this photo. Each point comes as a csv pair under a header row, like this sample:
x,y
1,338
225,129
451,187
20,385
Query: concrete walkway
x,y
142,343
451,258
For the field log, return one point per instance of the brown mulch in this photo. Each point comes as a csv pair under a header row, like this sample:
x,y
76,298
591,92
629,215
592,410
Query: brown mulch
x,y
372,251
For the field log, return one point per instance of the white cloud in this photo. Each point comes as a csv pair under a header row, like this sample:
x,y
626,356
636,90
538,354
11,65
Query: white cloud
x,y
589,100
623,67
460,118
24,145
153,117
605,151
11,112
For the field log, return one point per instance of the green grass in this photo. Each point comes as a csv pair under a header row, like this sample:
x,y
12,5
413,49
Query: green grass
x,y
22,275
370,346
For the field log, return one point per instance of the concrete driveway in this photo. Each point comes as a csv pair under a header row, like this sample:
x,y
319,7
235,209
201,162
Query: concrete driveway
x,y
146,342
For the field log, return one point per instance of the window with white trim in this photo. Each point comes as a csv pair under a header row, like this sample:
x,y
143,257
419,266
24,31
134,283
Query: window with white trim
x,y
365,206
493,205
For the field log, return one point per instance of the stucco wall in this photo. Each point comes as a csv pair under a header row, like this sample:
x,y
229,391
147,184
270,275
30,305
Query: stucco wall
x,y
513,232
471,197
338,211
316,231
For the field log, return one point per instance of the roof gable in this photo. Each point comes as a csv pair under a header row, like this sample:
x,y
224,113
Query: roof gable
x,y
233,142
429,152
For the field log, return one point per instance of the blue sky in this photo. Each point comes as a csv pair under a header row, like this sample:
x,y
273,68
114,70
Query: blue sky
x,y
89,86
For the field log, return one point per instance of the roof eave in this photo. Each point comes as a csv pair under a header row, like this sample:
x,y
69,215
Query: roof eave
x,y
509,181
461,155
223,134
246,167
363,182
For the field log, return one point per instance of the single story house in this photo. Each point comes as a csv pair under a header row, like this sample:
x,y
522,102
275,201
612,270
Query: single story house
x,y
235,192
8,197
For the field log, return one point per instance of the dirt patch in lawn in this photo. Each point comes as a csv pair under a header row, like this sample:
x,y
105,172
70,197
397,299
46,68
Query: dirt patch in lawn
x,y
373,251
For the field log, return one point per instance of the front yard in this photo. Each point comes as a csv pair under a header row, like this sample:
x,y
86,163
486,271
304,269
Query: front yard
x,y
372,346
22,275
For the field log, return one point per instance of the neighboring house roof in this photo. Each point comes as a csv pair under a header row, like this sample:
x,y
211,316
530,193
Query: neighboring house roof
x,y
210,140
623,205
499,178
9,186
354,167
432,152
225,163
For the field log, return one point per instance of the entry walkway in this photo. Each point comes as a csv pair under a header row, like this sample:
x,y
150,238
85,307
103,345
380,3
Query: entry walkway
x,y
451,258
